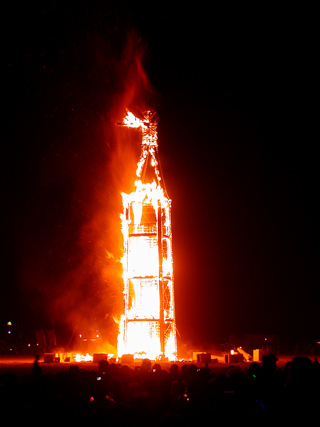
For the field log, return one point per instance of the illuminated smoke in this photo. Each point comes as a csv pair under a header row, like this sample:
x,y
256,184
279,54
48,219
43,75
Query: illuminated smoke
x,y
68,225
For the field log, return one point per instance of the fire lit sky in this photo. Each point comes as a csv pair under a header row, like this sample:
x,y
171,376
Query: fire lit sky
x,y
234,96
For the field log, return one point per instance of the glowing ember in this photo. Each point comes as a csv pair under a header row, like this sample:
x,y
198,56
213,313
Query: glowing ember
x,y
147,327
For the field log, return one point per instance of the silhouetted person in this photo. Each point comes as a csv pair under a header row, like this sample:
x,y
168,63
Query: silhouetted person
x,y
156,368
36,370
302,391
174,372
269,363
103,367
146,365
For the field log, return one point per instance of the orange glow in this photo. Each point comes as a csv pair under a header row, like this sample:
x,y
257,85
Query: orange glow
x,y
147,326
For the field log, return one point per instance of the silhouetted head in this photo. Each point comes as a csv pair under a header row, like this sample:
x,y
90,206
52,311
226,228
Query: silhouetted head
x,y
174,370
156,367
103,367
74,372
269,362
254,370
126,373
146,365
191,370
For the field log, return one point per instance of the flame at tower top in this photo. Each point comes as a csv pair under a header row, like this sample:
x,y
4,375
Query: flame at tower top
x,y
149,144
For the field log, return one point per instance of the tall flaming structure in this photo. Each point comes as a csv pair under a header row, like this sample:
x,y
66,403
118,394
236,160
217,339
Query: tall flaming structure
x,y
147,327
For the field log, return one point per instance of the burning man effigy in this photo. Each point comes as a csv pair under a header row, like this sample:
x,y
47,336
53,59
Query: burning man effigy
x,y
147,327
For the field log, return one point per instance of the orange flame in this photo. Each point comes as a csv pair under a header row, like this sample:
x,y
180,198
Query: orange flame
x,y
147,327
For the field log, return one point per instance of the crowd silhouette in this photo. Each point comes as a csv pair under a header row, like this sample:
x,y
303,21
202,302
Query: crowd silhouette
x,y
149,395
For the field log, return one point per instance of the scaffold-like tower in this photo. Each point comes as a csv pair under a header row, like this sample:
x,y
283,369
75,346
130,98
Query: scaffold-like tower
x,y
147,326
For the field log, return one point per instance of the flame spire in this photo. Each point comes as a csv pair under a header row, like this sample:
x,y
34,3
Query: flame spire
x,y
149,143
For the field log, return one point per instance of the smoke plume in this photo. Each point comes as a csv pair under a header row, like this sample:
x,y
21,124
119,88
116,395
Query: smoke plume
x,y
70,241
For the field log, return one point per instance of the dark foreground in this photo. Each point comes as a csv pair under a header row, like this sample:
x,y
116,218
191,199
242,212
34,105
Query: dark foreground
x,y
147,394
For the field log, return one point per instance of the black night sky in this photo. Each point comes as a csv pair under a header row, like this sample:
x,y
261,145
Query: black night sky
x,y
235,93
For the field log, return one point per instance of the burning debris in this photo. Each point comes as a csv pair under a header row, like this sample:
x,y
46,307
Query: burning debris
x,y
147,327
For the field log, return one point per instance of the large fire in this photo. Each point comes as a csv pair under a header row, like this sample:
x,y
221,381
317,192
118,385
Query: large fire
x,y
147,327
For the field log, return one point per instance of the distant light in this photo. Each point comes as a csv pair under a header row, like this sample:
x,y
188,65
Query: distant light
x,y
9,332
29,345
232,351
9,323
97,335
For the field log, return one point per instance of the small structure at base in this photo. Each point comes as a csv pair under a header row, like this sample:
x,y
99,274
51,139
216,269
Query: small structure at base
x,y
201,357
127,358
233,358
97,357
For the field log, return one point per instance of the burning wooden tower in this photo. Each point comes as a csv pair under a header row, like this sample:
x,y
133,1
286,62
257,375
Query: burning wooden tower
x,y
147,327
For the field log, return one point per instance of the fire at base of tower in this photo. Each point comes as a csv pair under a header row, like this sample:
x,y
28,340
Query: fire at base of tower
x,y
147,326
